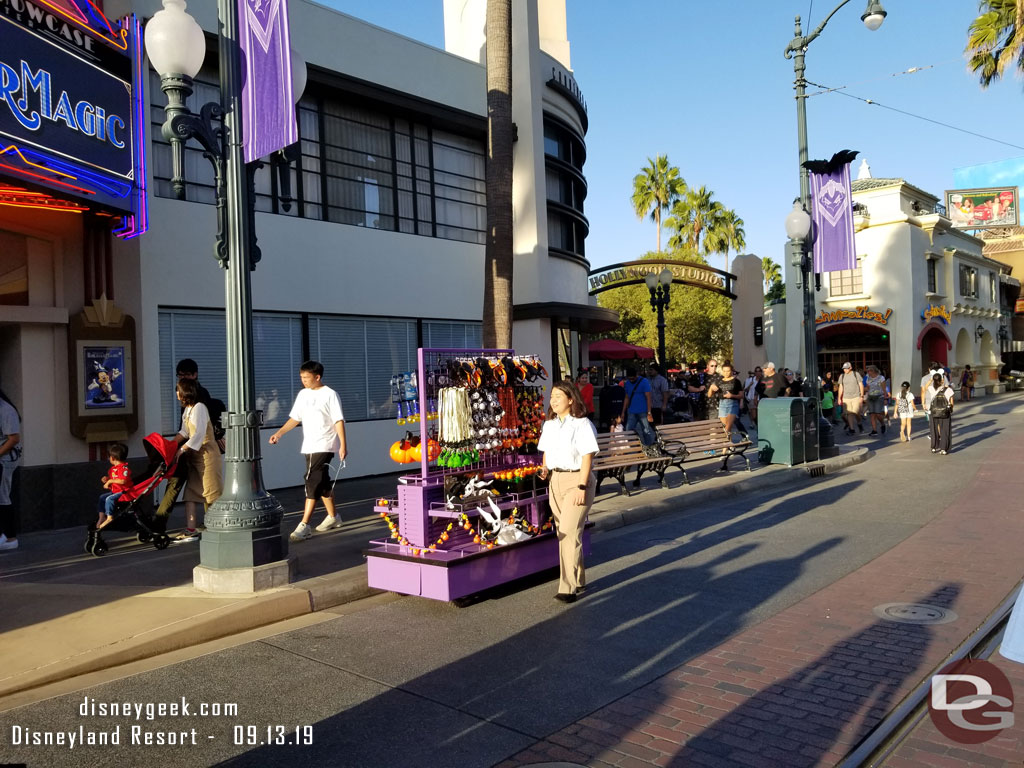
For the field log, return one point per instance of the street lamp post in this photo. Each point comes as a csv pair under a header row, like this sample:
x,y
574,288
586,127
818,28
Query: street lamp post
x,y
242,548
659,286
798,222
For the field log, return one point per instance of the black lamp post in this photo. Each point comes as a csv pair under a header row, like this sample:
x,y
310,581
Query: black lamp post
x,y
798,222
243,525
659,286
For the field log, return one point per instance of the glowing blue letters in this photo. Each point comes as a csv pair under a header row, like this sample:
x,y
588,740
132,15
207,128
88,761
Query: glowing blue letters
x,y
16,86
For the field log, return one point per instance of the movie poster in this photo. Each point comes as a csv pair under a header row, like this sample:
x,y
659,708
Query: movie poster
x,y
104,377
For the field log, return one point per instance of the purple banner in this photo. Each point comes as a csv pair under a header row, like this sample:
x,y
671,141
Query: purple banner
x,y
268,110
832,214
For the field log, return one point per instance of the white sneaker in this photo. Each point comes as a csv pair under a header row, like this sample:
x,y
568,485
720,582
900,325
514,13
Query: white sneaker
x,y
301,532
329,523
8,544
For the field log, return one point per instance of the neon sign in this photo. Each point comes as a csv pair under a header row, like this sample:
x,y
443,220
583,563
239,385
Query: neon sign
x,y
939,313
857,313
72,124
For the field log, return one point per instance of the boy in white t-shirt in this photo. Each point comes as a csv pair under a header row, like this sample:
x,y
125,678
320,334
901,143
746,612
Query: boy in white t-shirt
x,y
318,409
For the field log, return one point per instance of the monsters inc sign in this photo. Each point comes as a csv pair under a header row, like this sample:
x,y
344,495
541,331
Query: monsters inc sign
x,y
55,101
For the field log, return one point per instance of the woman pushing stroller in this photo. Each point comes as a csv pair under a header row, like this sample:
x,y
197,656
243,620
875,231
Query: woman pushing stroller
x,y
199,452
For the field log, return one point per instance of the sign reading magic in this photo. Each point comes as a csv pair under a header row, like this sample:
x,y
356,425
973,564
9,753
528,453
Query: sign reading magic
x,y
53,100
683,272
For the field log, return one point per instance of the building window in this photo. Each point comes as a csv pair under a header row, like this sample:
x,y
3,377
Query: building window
x,y
361,166
200,335
968,282
846,282
932,280
566,188
993,287
441,334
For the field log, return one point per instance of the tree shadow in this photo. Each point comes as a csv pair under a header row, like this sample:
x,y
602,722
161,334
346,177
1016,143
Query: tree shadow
x,y
631,628
959,444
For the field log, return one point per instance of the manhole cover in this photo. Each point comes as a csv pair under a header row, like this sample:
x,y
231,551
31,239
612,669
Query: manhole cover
x,y
915,613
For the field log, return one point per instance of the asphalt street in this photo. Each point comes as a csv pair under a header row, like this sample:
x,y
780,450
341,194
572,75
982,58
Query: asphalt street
x,y
413,682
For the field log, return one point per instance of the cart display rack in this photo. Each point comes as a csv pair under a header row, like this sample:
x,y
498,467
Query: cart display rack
x,y
437,550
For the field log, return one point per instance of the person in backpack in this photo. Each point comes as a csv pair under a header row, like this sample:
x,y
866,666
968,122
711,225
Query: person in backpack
x,y
851,396
904,410
939,404
966,383
636,409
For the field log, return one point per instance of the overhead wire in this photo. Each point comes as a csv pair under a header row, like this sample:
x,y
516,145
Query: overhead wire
x,y
841,90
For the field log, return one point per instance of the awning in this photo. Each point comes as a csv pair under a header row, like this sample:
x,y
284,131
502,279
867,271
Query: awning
x,y
610,349
585,318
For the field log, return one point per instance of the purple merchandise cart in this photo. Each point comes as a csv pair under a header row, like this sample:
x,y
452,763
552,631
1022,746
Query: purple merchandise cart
x,y
457,566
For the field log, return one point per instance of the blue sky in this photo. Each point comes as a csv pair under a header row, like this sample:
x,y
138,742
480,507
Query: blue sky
x,y
706,83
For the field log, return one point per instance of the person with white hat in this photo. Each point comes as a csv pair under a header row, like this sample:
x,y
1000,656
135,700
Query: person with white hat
x,y
851,395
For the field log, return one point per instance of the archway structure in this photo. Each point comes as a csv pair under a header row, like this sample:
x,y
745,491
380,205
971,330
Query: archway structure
x,y
683,273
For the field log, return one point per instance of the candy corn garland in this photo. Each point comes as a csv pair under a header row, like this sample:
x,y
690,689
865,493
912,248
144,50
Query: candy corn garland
x,y
464,522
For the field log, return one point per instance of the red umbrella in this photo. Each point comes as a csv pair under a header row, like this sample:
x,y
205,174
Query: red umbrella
x,y
610,349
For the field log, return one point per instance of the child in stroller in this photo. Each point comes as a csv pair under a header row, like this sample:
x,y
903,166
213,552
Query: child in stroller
x,y
127,512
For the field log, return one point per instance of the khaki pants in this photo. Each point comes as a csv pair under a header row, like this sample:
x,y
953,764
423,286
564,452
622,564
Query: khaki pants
x,y
569,522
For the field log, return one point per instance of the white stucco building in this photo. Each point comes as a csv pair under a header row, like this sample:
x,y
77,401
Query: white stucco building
x,y
922,291
379,251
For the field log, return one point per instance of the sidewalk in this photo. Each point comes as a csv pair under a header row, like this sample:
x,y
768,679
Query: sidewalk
x,y
67,613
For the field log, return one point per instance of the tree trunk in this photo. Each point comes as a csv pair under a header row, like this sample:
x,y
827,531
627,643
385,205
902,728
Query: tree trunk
x,y
498,264
657,223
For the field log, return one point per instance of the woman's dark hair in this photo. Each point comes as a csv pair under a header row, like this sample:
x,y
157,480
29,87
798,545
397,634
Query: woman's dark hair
x,y
189,392
6,399
937,380
576,406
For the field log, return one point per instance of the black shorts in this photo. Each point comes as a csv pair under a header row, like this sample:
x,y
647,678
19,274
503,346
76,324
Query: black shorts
x,y
318,475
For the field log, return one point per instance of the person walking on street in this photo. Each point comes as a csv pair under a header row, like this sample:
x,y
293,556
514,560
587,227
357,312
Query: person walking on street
x,y
659,395
773,383
939,403
636,409
199,452
10,457
851,395
966,383
587,392
874,386
904,410
926,381
318,409
729,391
568,444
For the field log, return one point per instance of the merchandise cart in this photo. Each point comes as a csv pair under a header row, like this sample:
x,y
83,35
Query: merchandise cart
x,y
442,547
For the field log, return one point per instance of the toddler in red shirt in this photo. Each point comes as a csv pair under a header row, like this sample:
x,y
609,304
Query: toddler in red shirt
x,y
117,482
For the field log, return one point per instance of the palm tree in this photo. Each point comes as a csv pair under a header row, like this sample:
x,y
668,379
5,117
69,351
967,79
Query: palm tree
x,y
725,233
655,189
692,216
995,40
497,312
772,272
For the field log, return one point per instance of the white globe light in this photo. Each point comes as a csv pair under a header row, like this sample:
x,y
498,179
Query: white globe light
x,y
298,75
652,280
798,222
665,278
175,43
873,20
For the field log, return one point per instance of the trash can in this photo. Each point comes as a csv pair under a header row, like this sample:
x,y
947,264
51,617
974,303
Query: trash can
x,y
811,424
780,430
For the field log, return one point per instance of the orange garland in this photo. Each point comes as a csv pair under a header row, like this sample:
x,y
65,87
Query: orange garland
x,y
464,521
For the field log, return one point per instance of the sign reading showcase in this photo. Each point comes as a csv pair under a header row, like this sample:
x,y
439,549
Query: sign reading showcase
x,y
63,104
857,313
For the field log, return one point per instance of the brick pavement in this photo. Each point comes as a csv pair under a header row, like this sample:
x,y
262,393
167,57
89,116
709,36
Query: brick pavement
x,y
803,687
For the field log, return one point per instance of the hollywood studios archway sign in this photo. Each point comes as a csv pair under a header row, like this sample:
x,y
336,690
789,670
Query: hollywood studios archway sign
x,y
683,273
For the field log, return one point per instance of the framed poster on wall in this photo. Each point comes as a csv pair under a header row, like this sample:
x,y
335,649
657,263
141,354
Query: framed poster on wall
x,y
104,376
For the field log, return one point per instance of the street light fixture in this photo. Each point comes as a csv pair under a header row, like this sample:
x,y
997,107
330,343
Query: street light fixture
x,y
243,525
659,286
800,236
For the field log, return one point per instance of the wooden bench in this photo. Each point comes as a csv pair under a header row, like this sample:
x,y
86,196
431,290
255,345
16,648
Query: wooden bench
x,y
700,440
621,451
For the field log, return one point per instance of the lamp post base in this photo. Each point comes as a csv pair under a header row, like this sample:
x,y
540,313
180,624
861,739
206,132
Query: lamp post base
x,y
243,580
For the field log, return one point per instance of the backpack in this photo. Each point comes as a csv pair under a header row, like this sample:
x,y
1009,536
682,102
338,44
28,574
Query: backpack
x,y
940,405
216,408
874,389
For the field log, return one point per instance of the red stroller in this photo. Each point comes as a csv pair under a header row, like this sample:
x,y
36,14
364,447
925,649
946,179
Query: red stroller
x,y
128,514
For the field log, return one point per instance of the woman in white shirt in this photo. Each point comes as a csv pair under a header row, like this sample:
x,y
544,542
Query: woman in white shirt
x,y
941,413
568,442
201,455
